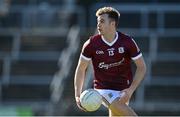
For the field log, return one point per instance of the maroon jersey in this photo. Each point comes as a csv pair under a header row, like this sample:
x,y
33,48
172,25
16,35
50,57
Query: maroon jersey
x,y
111,61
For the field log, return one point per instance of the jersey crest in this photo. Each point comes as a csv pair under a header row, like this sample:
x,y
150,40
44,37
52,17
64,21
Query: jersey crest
x,y
121,50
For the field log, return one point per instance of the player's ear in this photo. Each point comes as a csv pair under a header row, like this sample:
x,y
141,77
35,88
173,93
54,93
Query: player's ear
x,y
113,23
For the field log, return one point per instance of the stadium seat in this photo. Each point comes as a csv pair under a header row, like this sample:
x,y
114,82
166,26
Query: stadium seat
x,y
6,42
42,43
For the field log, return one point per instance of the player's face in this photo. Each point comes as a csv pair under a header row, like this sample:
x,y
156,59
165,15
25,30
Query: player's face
x,y
103,24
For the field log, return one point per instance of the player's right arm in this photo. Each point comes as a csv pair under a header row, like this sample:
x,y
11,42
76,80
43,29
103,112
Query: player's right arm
x,y
80,76
81,72
79,79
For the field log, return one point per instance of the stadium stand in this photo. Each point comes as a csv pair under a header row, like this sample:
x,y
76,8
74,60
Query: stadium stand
x,y
30,49
1,68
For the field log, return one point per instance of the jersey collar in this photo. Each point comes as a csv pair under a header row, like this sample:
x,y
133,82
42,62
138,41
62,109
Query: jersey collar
x,y
111,43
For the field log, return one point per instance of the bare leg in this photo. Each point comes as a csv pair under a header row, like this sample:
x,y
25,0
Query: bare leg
x,y
120,109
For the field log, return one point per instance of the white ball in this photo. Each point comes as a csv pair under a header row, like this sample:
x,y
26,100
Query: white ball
x,y
90,99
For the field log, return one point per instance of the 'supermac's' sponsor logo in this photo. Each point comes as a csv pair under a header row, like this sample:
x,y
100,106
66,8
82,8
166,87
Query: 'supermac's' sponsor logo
x,y
102,65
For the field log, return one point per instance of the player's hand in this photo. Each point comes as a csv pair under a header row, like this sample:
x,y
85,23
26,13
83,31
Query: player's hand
x,y
79,104
126,95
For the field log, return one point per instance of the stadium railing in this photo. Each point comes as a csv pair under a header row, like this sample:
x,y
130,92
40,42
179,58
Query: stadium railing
x,y
26,26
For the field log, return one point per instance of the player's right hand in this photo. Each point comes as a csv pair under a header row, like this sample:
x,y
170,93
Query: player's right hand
x,y
79,104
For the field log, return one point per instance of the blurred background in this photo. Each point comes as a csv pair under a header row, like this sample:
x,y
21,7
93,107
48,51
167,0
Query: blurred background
x,y
40,42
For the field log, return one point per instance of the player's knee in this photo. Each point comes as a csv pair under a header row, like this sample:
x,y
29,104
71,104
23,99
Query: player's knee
x,y
116,104
121,109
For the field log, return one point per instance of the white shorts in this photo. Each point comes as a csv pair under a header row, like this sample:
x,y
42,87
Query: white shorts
x,y
110,95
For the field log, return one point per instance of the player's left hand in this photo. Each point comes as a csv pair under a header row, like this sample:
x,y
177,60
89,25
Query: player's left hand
x,y
126,95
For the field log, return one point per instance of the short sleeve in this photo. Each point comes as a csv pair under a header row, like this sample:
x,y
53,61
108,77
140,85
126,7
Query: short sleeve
x,y
134,50
86,52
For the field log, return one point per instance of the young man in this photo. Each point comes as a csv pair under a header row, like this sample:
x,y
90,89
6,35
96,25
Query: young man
x,y
111,53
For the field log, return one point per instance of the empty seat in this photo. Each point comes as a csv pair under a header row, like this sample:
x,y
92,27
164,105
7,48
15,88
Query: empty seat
x,y
114,1
25,93
20,2
143,43
33,67
35,2
50,2
12,20
162,93
168,44
172,20
152,22
125,21
168,1
166,68
1,68
6,43
43,43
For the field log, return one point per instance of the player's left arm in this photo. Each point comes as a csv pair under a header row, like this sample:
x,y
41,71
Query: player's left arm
x,y
138,59
139,74
138,77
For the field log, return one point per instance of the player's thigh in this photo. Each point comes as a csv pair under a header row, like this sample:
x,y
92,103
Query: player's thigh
x,y
116,108
120,109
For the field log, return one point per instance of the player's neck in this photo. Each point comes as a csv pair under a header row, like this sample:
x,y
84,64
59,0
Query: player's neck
x,y
110,36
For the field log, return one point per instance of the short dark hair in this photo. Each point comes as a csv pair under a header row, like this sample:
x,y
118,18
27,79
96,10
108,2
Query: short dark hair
x,y
112,13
